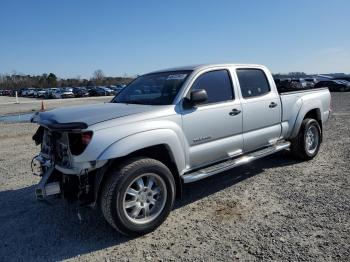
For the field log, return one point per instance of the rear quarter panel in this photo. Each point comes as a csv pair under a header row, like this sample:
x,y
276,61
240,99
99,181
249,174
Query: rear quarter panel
x,y
296,105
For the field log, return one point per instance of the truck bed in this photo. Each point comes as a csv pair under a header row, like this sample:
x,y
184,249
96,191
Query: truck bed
x,y
293,102
282,90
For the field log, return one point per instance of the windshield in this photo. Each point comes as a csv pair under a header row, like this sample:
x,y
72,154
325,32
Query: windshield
x,y
153,89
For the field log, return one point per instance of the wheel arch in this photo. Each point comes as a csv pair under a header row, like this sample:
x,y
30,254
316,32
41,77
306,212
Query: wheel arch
x,y
160,152
314,113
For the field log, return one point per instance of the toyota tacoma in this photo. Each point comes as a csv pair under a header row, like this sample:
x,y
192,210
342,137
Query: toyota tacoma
x,y
131,156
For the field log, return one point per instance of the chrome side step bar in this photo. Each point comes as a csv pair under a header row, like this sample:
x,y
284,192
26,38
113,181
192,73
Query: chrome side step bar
x,y
231,163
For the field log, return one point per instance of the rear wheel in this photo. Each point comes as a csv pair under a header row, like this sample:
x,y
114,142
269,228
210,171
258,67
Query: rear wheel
x,y
138,196
307,143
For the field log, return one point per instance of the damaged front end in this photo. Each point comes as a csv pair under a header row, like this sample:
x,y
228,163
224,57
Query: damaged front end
x,y
61,175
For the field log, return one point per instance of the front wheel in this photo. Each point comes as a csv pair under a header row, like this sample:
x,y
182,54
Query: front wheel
x,y
138,196
307,143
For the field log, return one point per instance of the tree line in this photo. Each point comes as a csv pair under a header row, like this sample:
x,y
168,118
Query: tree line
x,y
16,81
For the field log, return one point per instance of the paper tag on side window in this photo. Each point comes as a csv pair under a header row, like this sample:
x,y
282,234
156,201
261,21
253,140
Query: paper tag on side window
x,y
176,77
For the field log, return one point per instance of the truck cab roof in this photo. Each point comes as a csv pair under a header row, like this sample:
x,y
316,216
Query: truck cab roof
x,y
206,66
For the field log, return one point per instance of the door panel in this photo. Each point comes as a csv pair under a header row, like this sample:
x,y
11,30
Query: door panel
x,y
213,133
213,129
261,122
261,137
261,109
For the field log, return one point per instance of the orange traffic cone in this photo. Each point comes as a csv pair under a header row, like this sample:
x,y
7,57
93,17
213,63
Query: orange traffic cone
x,y
42,106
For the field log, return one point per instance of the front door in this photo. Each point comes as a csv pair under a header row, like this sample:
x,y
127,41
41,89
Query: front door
x,y
213,129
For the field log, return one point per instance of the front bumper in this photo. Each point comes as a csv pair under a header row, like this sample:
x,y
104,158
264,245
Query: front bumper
x,y
79,183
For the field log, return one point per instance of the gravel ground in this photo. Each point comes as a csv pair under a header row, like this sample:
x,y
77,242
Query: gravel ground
x,y
273,209
26,104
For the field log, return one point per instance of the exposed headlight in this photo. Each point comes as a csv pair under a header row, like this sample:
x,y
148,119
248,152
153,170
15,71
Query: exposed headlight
x,y
79,141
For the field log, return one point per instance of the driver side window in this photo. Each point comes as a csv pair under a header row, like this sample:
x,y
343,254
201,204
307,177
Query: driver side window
x,y
217,84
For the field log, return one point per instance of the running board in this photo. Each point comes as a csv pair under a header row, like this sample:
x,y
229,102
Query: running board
x,y
223,166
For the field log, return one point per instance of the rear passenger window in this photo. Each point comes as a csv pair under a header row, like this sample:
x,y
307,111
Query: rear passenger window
x,y
253,82
217,84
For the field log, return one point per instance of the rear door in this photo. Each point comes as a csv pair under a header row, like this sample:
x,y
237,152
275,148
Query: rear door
x,y
213,129
261,107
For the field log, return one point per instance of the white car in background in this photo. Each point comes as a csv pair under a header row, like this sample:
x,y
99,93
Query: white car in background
x,y
28,92
63,93
39,93
50,91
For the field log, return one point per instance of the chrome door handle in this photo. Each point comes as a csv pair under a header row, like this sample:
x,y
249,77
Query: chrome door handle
x,y
234,112
272,105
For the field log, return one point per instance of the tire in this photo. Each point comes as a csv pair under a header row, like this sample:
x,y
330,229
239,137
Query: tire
x,y
124,203
303,146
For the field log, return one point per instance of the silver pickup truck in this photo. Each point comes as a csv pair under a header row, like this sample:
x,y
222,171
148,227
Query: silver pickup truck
x,y
132,155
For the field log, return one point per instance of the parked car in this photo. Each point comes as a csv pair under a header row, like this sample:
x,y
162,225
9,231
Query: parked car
x,y
116,89
29,92
284,84
13,92
39,93
80,92
346,78
108,91
100,91
50,91
170,127
63,93
335,85
310,82
95,91
20,91
291,84
6,92
299,83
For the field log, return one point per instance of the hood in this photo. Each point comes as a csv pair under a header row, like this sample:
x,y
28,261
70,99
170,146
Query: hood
x,y
90,114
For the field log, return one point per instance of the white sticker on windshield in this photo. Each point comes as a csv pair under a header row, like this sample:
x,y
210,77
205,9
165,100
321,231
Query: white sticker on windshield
x,y
176,77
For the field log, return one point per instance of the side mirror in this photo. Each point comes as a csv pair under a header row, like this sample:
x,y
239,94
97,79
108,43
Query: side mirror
x,y
198,96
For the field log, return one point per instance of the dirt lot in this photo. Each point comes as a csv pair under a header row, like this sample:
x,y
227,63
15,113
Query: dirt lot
x,y
8,104
274,209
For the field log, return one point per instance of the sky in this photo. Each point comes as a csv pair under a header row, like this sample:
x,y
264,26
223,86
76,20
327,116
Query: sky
x,y
75,37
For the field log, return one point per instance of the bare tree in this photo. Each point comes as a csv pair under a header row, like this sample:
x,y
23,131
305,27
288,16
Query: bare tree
x,y
98,76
